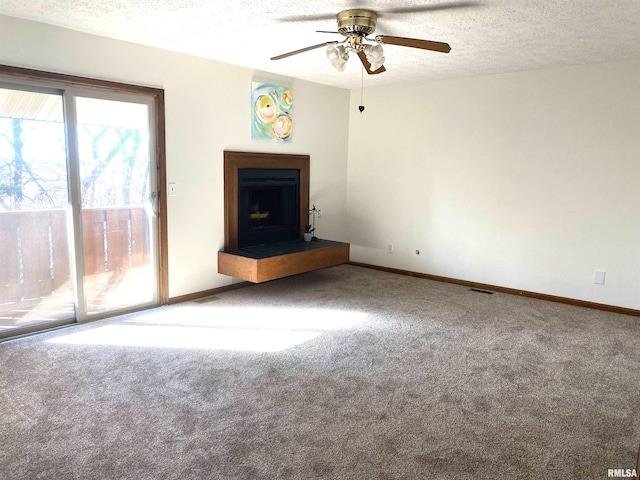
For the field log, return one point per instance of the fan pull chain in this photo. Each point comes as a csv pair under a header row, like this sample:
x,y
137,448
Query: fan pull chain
x,y
361,106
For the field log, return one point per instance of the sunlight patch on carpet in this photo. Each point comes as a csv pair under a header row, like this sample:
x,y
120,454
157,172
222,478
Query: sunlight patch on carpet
x,y
258,318
235,329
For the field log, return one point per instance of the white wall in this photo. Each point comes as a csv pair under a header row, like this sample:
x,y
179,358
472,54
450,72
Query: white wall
x,y
525,180
207,112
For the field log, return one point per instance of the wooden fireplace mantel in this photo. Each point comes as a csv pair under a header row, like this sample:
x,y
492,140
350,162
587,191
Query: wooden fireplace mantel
x,y
254,264
233,161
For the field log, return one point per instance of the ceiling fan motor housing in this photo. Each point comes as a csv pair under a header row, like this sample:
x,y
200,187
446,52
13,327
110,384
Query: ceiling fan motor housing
x,y
357,21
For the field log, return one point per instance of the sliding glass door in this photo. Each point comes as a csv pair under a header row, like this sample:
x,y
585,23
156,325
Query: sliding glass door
x,y
78,226
117,204
35,275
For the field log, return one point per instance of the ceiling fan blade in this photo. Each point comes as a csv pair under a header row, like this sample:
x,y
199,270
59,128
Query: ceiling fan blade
x,y
415,43
295,52
382,12
308,18
431,8
367,65
327,31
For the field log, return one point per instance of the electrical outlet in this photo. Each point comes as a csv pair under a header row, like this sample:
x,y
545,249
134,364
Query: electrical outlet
x,y
319,213
389,247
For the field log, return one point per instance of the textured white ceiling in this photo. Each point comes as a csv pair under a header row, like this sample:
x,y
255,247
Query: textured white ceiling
x,y
486,36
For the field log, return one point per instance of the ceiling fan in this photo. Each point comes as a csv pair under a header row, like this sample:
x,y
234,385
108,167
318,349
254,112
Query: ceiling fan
x,y
356,25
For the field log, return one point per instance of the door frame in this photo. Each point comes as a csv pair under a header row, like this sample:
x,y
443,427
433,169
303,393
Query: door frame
x,y
60,81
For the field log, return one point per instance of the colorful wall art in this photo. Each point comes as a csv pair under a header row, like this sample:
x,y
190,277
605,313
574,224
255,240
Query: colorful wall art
x,y
271,117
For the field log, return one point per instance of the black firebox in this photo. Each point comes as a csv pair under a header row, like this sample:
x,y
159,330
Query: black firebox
x,y
268,206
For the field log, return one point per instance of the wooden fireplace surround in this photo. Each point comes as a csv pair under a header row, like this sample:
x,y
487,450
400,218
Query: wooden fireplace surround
x,y
233,161
305,256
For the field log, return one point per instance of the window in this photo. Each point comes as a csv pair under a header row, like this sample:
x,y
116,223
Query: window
x,y
81,162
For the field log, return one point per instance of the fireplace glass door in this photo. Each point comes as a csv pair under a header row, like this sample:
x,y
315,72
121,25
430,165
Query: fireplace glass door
x,y
268,206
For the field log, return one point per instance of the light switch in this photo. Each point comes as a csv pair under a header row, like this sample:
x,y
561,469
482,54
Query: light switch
x,y
172,189
598,278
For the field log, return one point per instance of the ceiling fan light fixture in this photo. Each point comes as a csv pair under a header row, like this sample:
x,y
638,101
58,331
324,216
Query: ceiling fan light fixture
x,y
376,64
338,56
374,53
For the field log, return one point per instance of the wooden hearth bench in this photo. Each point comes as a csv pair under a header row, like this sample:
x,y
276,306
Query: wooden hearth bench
x,y
270,258
262,263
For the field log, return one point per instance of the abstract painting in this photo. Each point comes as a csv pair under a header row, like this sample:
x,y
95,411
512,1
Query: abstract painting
x,y
272,108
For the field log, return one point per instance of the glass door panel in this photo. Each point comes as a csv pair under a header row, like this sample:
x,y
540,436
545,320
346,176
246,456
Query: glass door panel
x,y
115,166
35,271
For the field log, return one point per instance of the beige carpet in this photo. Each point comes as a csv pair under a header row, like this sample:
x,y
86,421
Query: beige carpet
x,y
344,373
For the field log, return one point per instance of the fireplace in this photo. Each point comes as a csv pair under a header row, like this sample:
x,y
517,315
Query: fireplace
x,y
268,206
266,202
266,198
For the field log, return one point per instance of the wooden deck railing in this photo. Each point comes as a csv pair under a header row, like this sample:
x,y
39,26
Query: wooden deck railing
x,y
34,248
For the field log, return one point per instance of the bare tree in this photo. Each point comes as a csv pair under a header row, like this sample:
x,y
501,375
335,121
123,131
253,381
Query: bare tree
x,y
113,170
114,161
17,174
